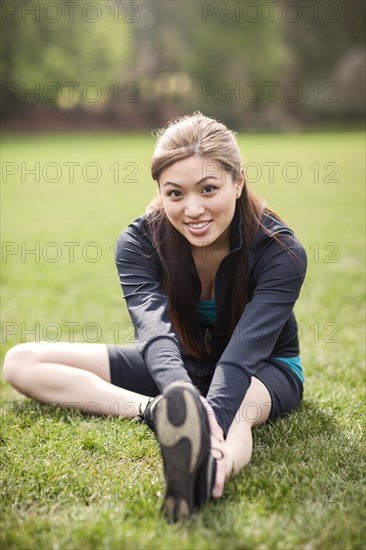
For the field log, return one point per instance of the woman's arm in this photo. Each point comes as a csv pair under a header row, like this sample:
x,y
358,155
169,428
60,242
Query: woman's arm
x,y
278,276
138,269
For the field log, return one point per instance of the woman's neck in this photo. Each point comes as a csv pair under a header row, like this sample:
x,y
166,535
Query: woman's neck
x,y
207,260
214,252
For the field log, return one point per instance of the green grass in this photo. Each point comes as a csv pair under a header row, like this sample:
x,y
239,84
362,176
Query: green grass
x,y
75,481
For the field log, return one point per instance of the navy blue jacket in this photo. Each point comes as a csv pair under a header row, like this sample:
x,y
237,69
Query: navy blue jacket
x,y
267,326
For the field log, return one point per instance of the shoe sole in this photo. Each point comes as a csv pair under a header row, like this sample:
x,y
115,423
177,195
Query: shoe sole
x,y
205,481
184,437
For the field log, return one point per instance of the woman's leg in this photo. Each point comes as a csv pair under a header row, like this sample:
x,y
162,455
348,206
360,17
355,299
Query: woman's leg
x,y
259,405
254,410
71,375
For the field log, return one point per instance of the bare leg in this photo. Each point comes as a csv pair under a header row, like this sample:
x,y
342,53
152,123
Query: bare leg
x,y
71,375
254,410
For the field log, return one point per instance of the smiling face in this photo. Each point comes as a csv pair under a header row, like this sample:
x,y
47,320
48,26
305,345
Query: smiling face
x,y
199,197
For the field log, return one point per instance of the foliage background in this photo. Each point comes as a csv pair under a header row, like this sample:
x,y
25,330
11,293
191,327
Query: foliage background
x,y
265,65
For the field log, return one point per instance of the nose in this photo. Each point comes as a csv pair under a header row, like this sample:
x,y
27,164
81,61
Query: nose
x,y
194,206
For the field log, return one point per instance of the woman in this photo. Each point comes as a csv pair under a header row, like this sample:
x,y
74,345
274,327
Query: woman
x,y
210,276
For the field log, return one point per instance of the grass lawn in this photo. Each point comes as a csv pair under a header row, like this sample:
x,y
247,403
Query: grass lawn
x,y
73,481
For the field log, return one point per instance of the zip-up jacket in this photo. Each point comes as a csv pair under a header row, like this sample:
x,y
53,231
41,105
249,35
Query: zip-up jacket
x,y
267,327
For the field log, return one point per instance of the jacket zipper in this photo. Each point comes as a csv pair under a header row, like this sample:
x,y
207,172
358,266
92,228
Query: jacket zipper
x,y
208,334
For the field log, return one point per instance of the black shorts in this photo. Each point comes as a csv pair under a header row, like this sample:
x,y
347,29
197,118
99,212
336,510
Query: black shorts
x,y
129,370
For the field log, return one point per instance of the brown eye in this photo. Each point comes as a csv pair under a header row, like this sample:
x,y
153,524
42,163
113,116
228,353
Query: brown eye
x,y
174,194
208,188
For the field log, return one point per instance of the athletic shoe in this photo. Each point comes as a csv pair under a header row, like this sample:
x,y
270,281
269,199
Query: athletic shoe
x,y
148,415
150,411
184,436
205,481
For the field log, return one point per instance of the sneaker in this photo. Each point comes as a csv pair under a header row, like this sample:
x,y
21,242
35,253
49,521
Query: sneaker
x,y
150,411
184,436
205,481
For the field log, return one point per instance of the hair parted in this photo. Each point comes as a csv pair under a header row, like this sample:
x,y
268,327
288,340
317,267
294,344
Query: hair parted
x,y
196,135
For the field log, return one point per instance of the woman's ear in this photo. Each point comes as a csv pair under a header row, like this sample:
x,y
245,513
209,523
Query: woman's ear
x,y
240,183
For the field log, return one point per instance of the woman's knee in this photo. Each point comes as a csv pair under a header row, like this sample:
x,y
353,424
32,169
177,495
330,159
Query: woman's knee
x,y
18,360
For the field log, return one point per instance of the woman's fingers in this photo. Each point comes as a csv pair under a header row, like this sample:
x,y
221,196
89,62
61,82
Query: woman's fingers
x,y
217,451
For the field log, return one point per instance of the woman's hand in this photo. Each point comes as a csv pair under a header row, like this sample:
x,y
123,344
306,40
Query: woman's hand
x,y
217,450
215,428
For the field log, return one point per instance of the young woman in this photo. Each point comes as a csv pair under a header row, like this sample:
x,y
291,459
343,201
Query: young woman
x,y
210,276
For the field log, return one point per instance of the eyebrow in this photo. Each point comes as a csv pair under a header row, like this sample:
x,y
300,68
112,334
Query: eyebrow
x,y
197,183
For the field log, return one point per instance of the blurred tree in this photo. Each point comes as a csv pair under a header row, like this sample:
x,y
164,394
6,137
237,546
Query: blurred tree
x,y
216,55
327,48
150,60
64,53
324,33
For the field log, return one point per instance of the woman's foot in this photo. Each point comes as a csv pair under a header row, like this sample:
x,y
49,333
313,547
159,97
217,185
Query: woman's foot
x,y
183,432
148,416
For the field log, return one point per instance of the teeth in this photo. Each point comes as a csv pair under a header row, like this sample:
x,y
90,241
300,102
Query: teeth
x,y
198,225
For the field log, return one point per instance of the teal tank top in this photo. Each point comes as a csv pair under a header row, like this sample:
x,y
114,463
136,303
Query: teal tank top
x,y
206,312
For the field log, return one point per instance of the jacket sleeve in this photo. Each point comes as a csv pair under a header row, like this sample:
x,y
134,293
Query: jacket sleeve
x,y
278,273
138,269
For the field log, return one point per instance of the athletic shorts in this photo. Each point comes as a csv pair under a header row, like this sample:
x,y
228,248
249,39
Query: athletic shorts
x,y
128,370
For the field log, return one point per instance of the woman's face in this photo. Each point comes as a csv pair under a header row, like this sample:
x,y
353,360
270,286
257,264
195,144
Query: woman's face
x,y
199,198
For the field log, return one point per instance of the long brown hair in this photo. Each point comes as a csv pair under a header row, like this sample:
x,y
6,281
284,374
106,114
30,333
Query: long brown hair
x,y
202,136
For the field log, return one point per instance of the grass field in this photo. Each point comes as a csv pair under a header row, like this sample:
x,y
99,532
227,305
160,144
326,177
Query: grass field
x,y
73,481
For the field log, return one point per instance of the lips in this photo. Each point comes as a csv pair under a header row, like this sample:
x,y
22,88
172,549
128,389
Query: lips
x,y
198,228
